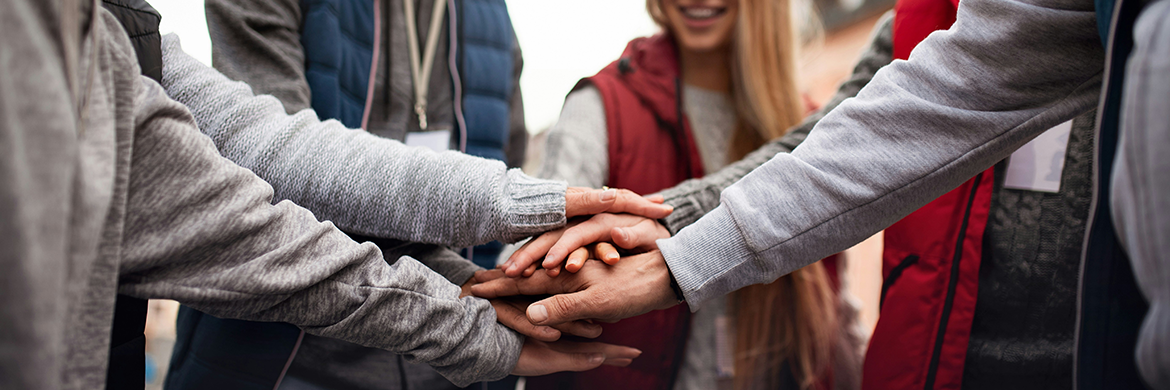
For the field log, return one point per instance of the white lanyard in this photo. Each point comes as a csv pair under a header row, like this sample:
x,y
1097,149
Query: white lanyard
x,y
422,77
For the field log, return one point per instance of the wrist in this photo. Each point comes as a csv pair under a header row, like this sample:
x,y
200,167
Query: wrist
x,y
678,294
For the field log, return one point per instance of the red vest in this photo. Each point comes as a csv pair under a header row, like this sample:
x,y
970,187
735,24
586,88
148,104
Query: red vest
x,y
650,149
931,260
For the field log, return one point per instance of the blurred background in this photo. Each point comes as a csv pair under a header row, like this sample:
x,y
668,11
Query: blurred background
x,y
564,41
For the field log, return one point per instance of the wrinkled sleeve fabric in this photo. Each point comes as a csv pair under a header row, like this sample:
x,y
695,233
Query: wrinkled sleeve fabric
x,y
577,147
1141,182
696,197
966,98
363,183
204,232
259,42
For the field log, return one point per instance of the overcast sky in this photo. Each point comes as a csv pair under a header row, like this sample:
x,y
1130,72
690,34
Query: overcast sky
x,y
563,41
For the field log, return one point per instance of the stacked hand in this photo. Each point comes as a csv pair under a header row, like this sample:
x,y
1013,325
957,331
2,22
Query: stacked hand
x,y
542,352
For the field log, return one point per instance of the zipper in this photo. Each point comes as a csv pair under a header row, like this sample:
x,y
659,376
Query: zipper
x,y
932,370
1102,110
373,64
895,273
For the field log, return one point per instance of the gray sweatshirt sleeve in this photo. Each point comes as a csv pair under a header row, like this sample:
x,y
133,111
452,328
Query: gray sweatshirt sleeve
x,y
576,149
204,231
259,42
969,96
363,183
696,197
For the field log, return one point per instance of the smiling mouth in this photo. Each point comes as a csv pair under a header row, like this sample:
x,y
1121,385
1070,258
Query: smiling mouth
x,y
702,13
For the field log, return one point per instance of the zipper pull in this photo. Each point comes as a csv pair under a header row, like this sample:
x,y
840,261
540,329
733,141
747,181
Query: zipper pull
x,y
420,109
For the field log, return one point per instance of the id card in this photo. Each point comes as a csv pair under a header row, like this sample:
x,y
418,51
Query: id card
x,y
1037,165
437,140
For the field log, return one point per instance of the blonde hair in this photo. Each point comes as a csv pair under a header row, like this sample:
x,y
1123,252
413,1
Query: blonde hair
x,y
792,320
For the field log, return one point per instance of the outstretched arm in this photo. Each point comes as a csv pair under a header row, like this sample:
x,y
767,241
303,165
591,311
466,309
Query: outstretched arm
x,y
1006,71
371,185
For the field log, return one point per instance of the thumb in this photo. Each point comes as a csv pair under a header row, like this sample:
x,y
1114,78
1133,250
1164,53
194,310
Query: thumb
x,y
563,308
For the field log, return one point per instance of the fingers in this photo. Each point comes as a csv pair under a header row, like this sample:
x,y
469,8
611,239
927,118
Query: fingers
x,y
536,358
643,235
583,201
564,307
606,252
539,358
594,230
609,350
537,284
531,252
578,328
511,314
576,260
487,275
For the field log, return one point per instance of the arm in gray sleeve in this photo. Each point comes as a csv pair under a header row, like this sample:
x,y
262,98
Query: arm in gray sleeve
x,y
259,42
204,231
969,96
453,267
517,145
363,183
577,147
694,198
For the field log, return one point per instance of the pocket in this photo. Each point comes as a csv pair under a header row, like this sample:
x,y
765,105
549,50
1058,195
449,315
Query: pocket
x,y
895,273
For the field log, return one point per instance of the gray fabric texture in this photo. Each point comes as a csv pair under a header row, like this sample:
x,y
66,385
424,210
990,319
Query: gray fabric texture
x,y
577,147
1025,314
696,197
1141,182
967,97
363,183
259,42
110,188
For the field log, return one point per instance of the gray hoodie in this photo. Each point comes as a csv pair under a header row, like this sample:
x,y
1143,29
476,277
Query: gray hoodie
x,y
108,187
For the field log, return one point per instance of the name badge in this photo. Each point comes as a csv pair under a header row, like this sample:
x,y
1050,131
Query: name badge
x,y
1037,165
437,140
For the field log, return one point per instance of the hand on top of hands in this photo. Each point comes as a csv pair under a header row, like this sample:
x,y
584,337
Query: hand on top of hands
x,y
542,354
587,201
630,232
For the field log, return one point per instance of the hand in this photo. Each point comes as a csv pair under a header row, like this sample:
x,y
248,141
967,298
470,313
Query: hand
x,y
540,358
587,201
627,231
510,312
635,285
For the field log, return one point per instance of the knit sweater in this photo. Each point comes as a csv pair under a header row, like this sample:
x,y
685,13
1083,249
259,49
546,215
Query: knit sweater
x,y
108,187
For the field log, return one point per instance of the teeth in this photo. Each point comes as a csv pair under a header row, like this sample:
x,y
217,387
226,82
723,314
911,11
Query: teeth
x,y
701,12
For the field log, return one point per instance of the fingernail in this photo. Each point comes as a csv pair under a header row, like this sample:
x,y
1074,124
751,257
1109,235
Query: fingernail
x,y
597,358
625,236
611,256
537,313
608,195
549,331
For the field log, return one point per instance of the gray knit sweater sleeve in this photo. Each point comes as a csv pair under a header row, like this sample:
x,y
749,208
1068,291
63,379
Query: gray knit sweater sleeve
x,y
967,97
363,183
696,197
205,232
576,150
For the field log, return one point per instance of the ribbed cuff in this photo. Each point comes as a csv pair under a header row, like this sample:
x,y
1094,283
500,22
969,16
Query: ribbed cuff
x,y
686,211
531,206
701,256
